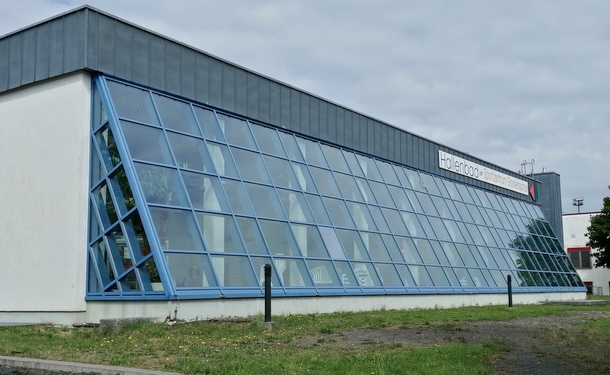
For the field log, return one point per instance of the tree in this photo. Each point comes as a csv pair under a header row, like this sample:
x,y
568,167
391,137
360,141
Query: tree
x,y
599,235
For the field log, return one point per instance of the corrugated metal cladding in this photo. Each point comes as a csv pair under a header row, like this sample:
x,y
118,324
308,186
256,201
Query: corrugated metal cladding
x,y
88,39
549,196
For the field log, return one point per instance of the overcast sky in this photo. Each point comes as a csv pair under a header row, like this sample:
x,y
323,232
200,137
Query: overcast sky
x,y
505,81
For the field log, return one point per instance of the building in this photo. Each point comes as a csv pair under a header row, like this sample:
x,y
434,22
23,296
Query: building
x,y
148,178
597,280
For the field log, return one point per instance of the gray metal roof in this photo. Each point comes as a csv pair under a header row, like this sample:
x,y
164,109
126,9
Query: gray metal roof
x,y
91,40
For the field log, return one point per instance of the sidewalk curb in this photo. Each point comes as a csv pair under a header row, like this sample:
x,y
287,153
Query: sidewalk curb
x,y
73,367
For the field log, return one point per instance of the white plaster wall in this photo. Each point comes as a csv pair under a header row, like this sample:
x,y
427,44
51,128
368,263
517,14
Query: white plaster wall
x,y
245,308
44,169
574,235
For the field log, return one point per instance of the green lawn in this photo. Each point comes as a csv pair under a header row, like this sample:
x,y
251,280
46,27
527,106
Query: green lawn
x,y
246,348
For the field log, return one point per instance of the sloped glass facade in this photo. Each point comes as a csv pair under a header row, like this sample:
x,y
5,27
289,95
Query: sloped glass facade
x,y
190,202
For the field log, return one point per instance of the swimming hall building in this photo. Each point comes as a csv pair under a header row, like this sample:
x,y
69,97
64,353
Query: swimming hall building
x,y
143,177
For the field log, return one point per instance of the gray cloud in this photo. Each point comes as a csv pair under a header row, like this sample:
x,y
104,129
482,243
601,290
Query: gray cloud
x,y
504,81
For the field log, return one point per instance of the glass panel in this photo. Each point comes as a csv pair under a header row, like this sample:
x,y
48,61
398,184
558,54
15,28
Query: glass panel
x,y
421,276
236,131
97,171
222,160
478,279
281,172
353,245
161,185
417,207
209,124
325,181
176,229
464,193
365,189
304,177
205,192
365,274
348,187
318,209
237,197
426,251
108,148
234,271
375,246
335,158
409,249
122,191
361,215
379,219
138,241
405,275
354,166
414,179
277,273
291,146
323,273
103,262
190,153
146,143
429,183
442,208
105,205
132,103
402,177
387,173
438,276
467,257
439,229
251,235
265,201
426,203
439,252
339,213
220,233
451,189
382,194
413,224
250,165
295,205
309,240
331,240
400,198
388,275
397,225
289,272
392,247
280,240
268,140
176,115
312,152
369,167
454,231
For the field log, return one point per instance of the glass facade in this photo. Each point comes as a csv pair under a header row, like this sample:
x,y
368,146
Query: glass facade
x,y
190,202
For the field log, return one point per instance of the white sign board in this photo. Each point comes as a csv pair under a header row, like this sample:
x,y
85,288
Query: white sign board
x,y
467,168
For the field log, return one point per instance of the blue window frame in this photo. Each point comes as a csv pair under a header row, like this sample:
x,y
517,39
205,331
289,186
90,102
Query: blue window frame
x,y
189,202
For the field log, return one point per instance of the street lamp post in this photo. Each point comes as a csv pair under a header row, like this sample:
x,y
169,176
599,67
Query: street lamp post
x,y
578,202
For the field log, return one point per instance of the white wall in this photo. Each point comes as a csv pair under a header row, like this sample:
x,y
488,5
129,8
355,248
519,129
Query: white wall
x,y
247,308
574,235
44,169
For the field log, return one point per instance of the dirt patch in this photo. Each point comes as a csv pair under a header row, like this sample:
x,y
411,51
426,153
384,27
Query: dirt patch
x,y
543,346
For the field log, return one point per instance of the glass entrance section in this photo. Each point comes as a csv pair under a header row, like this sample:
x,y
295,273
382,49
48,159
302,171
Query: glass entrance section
x,y
190,202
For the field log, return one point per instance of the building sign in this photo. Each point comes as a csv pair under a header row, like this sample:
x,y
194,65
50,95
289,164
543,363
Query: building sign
x,y
467,168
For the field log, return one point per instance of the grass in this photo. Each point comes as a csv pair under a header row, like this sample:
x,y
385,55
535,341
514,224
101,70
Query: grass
x,y
298,344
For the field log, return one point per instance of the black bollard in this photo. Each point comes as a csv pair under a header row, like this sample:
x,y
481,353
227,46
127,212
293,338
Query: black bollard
x,y
267,292
510,290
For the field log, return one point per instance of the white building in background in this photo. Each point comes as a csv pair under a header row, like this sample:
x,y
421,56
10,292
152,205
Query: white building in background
x,y
575,240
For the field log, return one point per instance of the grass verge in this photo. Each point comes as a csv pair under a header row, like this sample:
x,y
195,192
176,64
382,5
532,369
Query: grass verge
x,y
298,344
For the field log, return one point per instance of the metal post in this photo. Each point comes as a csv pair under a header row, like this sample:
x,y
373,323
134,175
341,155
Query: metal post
x,y
267,292
510,290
